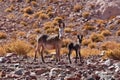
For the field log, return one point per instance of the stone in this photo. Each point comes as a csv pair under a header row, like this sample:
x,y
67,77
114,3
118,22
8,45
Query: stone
x,y
40,71
107,8
19,72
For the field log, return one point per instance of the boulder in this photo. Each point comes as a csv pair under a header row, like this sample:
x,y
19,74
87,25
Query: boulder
x,y
106,8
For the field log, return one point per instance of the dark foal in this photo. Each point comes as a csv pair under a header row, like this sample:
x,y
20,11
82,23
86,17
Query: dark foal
x,y
75,46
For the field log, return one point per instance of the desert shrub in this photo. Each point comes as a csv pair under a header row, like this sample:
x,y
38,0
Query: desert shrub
x,y
18,46
111,27
92,6
28,1
86,42
43,16
88,52
32,39
71,25
118,33
68,30
85,14
64,51
35,24
66,42
106,33
75,33
23,23
49,9
9,9
34,3
48,25
50,14
11,16
58,19
1,0
28,10
2,51
21,34
89,27
3,35
109,45
114,53
50,30
96,37
77,7
37,30
92,45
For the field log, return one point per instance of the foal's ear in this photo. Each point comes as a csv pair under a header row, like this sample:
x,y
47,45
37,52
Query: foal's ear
x,y
81,36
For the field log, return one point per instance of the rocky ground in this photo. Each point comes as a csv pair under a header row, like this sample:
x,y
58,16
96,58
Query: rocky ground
x,y
13,18
14,67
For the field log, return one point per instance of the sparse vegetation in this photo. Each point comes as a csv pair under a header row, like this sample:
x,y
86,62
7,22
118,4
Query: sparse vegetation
x,y
89,27
86,42
118,33
114,54
77,7
92,45
68,30
2,51
106,33
109,45
18,46
28,10
96,37
85,14
3,35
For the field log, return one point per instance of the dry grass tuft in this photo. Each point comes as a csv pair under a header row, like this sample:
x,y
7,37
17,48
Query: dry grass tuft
x,y
18,46
92,45
28,10
21,34
96,37
88,51
58,19
118,33
114,54
34,3
32,39
66,42
2,51
109,45
9,9
89,27
68,30
106,33
28,1
3,35
86,42
77,7
85,14
23,23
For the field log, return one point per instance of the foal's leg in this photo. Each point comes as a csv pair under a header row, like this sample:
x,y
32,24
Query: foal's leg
x,y
79,53
69,55
76,55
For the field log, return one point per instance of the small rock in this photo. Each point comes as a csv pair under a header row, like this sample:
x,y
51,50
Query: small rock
x,y
40,71
54,72
2,60
19,72
2,74
33,75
